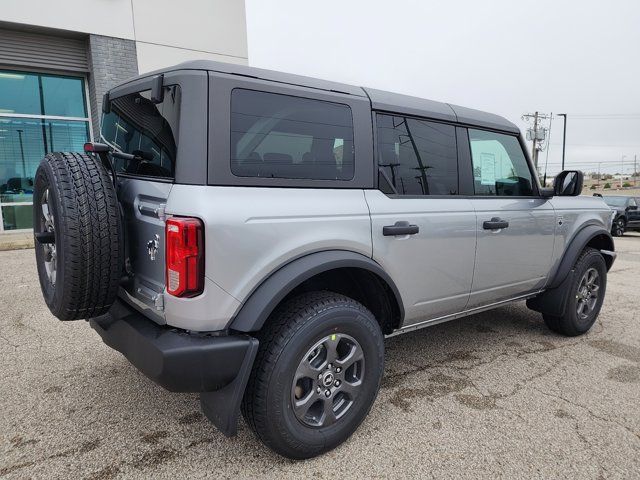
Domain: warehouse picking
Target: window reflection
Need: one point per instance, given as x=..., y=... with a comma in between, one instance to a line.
x=136, y=124
x=25, y=139
x=418, y=157
x=23, y=143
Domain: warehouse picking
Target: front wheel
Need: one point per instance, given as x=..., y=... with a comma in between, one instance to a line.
x=618, y=228
x=316, y=376
x=585, y=296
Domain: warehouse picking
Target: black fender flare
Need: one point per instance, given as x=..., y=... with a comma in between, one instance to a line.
x=264, y=299
x=575, y=248
x=553, y=300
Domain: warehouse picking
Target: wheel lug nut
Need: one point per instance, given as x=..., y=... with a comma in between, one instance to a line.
x=337, y=383
x=327, y=393
x=329, y=366
x=318, y=390
x=319, y=376
x=338, y=370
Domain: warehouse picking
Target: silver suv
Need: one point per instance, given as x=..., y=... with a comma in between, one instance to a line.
x=254, y=236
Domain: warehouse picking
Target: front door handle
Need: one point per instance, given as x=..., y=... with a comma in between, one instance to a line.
x=400, y=228
x=495, y=223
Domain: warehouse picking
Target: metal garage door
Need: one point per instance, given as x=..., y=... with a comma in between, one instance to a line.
x=35, y=50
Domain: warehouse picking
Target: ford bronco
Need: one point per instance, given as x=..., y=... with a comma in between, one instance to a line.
x=253, y=236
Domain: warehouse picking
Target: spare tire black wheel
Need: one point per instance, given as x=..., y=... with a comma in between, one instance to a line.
x=78, y=235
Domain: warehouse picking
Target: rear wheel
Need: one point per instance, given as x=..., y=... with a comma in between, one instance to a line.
x=78, y=235
x=316, y=375
x=585, y=297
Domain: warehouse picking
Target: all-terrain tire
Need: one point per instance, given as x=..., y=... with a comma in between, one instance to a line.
x=295, y=327
x=75, y=200
x=571, y=323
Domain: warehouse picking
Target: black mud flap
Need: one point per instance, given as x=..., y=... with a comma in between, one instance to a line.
x=222, y=406
x=553, y=301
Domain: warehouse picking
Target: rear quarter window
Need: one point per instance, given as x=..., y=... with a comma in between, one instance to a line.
x=136, y=125
x=282, y=136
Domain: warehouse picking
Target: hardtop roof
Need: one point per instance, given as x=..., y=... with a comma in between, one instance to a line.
x=380, y=99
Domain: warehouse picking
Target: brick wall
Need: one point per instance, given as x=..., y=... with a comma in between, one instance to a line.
x=111, y=60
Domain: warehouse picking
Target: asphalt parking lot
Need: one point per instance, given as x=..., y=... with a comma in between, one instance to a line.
x=492, y=395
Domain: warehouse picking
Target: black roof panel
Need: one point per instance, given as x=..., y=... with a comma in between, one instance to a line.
x=396, y=102
x=380, y=99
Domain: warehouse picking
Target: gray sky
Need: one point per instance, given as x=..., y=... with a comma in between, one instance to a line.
x=581, y=57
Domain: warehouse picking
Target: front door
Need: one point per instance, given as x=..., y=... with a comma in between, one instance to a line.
x=515, y=226
x=423, y=231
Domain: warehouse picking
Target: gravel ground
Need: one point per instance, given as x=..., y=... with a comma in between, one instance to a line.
x=492, y=395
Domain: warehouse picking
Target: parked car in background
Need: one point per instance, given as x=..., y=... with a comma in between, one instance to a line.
x=627, y=216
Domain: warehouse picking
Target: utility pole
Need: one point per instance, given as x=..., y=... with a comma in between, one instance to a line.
x=534, y=150
x=635, y=170
x=564, y=135
x=536, y=134
x=622, y=170
x=24, y=166
x=599, y=174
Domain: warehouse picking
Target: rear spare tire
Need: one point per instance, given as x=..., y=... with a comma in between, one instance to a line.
x=78, y=235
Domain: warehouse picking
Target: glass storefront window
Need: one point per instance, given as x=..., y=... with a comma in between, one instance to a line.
x=63, y=97
x=19, y=93
x=17, y=217
x=25, y=139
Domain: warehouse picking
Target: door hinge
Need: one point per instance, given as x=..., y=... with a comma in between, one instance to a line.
x=161, y=211
x=159, y=301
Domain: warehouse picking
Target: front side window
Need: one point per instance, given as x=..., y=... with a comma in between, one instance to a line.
x=149, y=130
x=280, y=136
x=499, y=165
x=417, y=157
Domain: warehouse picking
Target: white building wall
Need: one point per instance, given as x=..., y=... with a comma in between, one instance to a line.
x=166, y=32
x=111, y=18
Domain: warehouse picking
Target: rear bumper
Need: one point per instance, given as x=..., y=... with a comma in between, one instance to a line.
x=176, y=360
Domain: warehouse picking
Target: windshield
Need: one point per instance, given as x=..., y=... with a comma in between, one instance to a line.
x=615, y=201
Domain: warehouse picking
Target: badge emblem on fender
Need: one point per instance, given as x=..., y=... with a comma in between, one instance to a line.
x=152, y=247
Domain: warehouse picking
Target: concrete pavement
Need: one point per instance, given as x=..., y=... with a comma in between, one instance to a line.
x=495, y=395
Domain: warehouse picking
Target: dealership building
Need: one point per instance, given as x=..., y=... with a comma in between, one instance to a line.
x=58, y=58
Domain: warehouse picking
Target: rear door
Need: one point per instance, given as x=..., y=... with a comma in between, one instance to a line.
x=423, y=230
x=515, y=226
x=134, y=124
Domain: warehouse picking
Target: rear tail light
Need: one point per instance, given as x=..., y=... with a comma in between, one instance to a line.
x=185, y=256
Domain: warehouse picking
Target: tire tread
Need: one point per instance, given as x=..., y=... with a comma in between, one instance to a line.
x=92, y=236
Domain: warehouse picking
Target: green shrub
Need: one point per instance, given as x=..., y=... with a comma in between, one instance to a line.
x=626, y=184
x=593, y=187
x=607, y=185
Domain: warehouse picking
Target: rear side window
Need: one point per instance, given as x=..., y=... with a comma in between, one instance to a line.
x=138, y=126
x=280, y=136
x=499, y=165
x=417, y=157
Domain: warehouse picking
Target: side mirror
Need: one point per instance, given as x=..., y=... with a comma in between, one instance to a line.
x=568, y=183
x=157, y=89
x=106, y=103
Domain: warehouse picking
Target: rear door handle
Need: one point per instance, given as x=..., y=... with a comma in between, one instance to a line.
x=495, y=223
x=400, y=228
